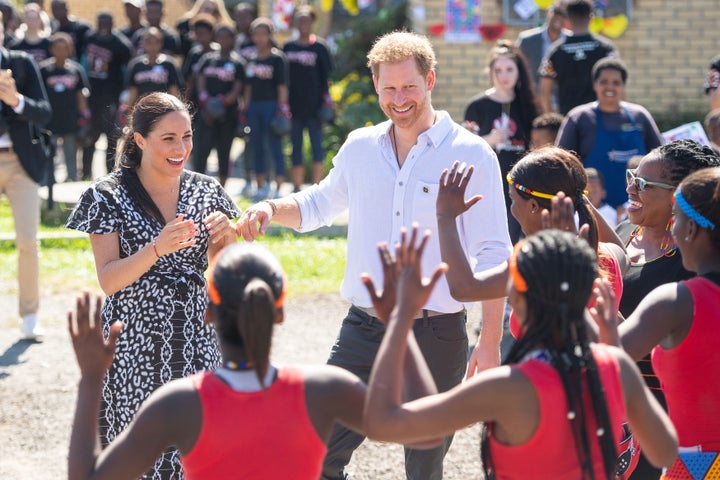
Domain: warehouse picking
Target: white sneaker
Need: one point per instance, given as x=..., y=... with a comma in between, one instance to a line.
x=29, y=327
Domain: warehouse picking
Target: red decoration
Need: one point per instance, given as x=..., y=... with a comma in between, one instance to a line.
x=437, y=29
x=492, y=31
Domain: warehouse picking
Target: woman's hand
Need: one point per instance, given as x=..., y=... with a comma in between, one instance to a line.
x=176, y=235
x=383, y=301
x=218, y=226
x=413, y=290
x=451, y=196
x=562, y=216
x=94, y=354
x=496, y=137
x=604, y=312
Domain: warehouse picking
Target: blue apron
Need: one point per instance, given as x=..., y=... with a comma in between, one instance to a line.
x=611, y=152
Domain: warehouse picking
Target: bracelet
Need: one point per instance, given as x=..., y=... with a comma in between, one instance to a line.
x=273, y=205
x=155, y=249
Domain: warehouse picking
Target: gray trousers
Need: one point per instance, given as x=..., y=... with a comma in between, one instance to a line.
x=444, y=343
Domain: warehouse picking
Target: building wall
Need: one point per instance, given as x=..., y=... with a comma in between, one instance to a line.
x=88, y=10
x=667, y=47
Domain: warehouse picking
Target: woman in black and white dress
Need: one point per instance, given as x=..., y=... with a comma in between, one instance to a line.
x=153, y=225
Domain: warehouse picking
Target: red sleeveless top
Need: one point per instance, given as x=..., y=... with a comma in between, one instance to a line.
x=550, y=452
x=255, y=435
x=688, y=372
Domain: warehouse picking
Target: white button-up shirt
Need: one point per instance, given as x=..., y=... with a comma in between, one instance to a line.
x=382, y=198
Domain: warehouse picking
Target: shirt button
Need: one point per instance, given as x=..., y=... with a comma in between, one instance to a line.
x=426, y=189
x=397, y=214
x=401, y=184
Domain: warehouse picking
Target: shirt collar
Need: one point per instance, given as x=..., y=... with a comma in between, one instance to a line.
x=434, y=135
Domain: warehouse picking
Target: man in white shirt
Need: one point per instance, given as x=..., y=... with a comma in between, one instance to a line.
x=387, y=175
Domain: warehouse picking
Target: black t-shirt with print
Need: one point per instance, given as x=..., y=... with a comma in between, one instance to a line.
x=156, y=77
x=309, y=68
x=106, y=57
x=221, y=72
x=265, y=74
x=570, y=63
x=62, y=85
x=78, y=31
x=39, y=50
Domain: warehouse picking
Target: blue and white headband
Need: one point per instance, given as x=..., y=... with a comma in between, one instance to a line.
x=692, y=214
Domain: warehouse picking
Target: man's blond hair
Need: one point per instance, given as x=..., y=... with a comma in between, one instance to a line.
x=399, y=46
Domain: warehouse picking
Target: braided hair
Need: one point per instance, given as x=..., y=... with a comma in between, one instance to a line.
x=551, y=170
x=246, y=289
x=682, y=157
x=559, y=270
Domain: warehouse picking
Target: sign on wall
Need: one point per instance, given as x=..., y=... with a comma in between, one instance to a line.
x=462, y=21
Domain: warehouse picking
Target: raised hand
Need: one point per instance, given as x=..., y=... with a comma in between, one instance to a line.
x=413, y=290
x=383, y=301
x=94, y=354
x=562, y=216
x=451, y=195
x=604, y=312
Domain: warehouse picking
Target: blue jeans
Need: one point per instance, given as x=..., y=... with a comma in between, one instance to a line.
x=296, y=137
x=259, y=116
x=444, y=343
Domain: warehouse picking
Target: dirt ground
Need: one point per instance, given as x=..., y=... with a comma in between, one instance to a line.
x=38, y=386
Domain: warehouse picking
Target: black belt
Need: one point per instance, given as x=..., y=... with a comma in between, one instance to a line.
x=6, y=149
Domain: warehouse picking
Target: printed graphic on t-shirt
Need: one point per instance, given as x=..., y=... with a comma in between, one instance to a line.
x=98, y=59
x=225, y=72
x=303, y=57
x=260, y=70
x=60, y=83
x=157, y=74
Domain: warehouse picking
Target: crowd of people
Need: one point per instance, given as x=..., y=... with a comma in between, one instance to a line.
x=567, y=204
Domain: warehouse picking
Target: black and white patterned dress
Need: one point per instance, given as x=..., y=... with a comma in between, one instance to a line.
x=164, y=336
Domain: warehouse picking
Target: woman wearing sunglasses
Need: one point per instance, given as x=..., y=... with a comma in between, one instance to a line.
x=678, y=323
x=653, y=253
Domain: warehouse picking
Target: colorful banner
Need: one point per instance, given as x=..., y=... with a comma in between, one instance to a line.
x=462, y=21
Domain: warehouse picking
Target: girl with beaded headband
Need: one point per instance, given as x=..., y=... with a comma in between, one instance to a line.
x=550, y=408
x=678, y=323
x=245, y=419
x=647, y=235
x=533, y=182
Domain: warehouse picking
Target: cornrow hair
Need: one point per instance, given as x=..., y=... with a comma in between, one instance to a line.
x=248, y=280
x=682, y=157
x=559, y=269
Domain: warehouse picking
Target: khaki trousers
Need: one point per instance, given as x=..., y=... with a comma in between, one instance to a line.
x=22, y=192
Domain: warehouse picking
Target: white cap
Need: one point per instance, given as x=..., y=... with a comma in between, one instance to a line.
x=135, y=3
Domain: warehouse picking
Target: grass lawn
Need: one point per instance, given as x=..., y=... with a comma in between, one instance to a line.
x=312, y=264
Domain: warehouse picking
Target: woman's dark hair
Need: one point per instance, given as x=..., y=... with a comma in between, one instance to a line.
x=682, y=157
x=146, y=113
x=551, y=170
x=701, y=190
x=559, y=270
x=524, y=88
x=249, y=281
x=609, y=63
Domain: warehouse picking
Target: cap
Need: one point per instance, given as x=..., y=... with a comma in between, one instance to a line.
x=135, y=3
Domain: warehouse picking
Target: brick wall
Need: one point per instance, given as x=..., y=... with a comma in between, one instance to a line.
x=88, y=10
x=667, y=47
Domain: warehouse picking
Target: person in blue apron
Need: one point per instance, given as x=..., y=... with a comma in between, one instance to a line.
x=608, y=132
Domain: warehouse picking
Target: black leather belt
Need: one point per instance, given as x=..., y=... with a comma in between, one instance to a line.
x=6, y=149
